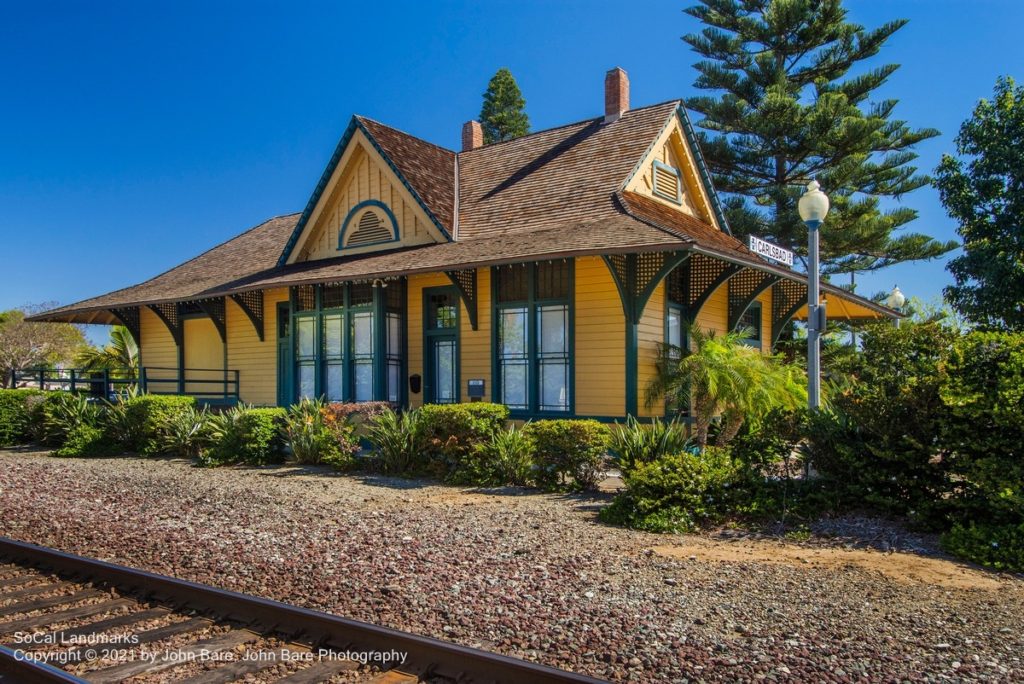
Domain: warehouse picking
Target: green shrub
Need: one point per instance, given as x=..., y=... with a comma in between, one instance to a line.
x=569, y=453
x=88, y=440
x=679, y=492
x=314, y=435
x=146, y=417
x=398, y=441
x=879, y=441
x=1000, y=547
x=187, y=433
x=506, y=459
x=635, y=442
x=244, y=434
x=982, y=435
x=452, y=432
x=62, y=413
x=15, y=416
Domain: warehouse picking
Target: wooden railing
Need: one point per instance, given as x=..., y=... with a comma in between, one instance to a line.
x=99, y=383
x=206, y=384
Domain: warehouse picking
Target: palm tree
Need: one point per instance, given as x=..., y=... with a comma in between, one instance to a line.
x=120, y=356
x=722, y=375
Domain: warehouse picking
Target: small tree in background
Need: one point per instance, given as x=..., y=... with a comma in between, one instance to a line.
x=984, y=193
x=786, y=109
x=24, y=344
x=503, y=114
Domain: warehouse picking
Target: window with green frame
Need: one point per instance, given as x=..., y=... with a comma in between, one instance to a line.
x=533, y=337
x=338, y=354
x=750, y=321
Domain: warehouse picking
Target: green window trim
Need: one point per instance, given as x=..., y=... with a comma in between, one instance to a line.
x=532, y=306
x=328, y=360
x=751, y=318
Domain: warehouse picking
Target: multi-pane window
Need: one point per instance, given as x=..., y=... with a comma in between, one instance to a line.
x=533, y=345
x=338, y=352
x=750, y=323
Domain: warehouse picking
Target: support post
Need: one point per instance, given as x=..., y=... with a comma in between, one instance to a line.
x=815, y=320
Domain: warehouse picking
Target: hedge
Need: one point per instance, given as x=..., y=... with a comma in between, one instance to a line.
x=16, y=416
x=569, y=453
x=452, y=433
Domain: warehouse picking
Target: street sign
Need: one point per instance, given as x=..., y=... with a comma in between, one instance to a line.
x=773, y=252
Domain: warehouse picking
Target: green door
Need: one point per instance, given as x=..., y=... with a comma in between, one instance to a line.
x=285, y=357
x=441, y=345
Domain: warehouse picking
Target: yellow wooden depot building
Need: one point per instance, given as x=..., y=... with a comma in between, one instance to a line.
x=541, y=273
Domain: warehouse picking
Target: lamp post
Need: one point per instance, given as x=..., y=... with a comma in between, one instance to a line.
x=896, y=300
x=813, y=207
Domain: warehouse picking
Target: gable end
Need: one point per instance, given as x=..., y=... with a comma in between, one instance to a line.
x=325, y=178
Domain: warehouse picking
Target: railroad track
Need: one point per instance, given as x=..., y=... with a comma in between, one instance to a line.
x=88, y=620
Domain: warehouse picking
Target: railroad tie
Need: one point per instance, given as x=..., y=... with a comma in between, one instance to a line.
x=36, y=621
x=320, y=671
x=42, y=604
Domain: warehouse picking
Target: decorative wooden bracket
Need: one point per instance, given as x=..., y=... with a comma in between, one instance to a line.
x=744, y=289
x=788, y=297
x=637, y=276
x=129, y=317
x=251, y=303
x=215, y=309
x=697, y=279
x=465, y=282
x=168, y=313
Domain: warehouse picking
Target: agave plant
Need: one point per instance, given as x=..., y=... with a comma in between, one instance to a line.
x=397, y=439
x=188, y=433
x=635, y=442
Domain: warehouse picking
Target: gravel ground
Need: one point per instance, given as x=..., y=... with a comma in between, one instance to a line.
x=535, y=575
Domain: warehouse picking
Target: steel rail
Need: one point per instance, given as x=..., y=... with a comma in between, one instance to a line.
x=461, y=663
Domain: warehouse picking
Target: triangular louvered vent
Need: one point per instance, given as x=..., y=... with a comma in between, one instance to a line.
x=369, y=230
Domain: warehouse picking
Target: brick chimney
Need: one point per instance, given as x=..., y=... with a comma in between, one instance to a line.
x=472, y=136
x=616, y=94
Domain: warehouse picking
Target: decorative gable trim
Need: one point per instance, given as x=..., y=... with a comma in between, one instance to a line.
x=361, y=209
x=325, y=179
x=702, y=168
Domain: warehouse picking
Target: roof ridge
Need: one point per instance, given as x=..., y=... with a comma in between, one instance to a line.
x=405, y=133
x=568, y=125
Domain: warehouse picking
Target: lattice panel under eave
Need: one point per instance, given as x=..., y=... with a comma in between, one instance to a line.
x=215, y=309
x=130, y=319
x=251, y=303
x=168, y=313
x=745, y=287
x=465, y=281
x=788, y=297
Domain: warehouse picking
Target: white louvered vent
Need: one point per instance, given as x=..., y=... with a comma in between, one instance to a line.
x=369, y=230
x=666, y=182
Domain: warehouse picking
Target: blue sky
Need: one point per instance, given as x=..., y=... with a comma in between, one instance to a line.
x=136, y=135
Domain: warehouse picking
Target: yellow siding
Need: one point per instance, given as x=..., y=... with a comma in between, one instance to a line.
x=600, y=341
x=417, y=283
x=476, y=344
x=204, y=356
x=361, y=175
x=714, y=315
x=255, y=361
x=158, y=347
x=651, y=333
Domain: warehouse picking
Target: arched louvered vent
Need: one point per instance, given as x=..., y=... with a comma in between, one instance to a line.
x=369, y=230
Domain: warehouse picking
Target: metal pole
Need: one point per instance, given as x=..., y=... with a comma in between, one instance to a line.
x=813, y=320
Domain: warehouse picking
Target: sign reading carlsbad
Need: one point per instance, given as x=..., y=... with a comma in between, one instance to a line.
x=773, y=252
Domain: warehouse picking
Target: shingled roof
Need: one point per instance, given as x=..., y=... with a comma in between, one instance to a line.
x=549, y=194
